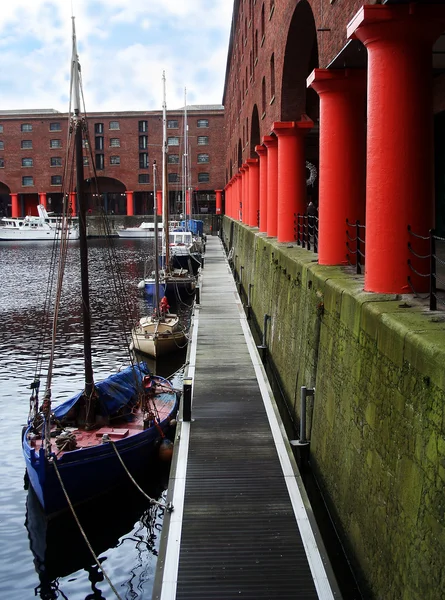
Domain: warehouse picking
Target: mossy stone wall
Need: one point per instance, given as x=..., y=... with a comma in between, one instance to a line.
x=377, y=426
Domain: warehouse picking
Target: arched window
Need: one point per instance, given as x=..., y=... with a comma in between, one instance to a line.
x=272, y=76
x=263, y=31
x=263, y=97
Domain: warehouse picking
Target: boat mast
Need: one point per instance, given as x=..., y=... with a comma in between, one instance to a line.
x=155, y=223
x=81, y=199
x=185, y=165
x=165, y=179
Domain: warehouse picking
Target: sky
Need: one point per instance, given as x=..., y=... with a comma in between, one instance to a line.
x=123, y=47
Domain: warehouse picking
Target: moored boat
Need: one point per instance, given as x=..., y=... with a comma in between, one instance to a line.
x=43, y=227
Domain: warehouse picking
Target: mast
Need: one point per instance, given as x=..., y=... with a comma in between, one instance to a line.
x=155, y=223
x=81, y=199
x=185, y=166
x=165, y=179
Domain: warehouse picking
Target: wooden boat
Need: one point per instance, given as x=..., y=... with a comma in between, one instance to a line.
x=91, y=442
x=36, y=228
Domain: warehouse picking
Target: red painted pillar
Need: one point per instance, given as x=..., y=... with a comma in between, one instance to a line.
x=73, y=204
x=342, y=189
x=14, y=205
x=262, y=153
x=271, y=144
x=291, y=195
x=229, y=191
x=42, y=199
x=130, y=204
x=218, y=201
x=254, y=185
x=243, y=216
x=399, y=182
x=159, y=202
x=239, y=197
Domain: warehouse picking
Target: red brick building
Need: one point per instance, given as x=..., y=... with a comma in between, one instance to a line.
x=341, y=102
x=122, y=147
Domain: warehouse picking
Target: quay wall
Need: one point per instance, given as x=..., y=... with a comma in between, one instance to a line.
x=377, y=422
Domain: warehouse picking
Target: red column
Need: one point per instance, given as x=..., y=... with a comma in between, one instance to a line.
x=238, y=198
x=218, y=201
x=271, y=144
x=159, y=202
x=14, y=205
x=291, y=196
x=73, y=204
x=342, y=189
x=130, y=204
x=262, y=153
x=243, y=200
x=399, y=182
x=42, y=199
x=254, y=191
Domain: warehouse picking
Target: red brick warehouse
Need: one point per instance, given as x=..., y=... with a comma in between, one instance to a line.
x=352, y=94
x=122, y=147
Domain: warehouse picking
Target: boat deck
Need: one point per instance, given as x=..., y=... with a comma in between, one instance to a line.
x=242, y=526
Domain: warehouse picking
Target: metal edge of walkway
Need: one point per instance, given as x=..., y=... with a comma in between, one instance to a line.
x=164, y=587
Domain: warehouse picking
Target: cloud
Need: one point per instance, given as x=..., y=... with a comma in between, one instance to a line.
x=123, y=49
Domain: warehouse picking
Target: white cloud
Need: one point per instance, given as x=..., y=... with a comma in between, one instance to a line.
x=123, y=48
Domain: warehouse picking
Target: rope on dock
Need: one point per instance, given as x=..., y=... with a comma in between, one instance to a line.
x=168, y=506
x=83, y=532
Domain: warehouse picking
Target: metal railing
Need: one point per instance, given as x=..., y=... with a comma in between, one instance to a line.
x=431, y=261
x=355, y=245
x=306, y=231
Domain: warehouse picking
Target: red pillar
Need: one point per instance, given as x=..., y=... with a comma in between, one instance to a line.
x=399, y=182
x=254, y=191
x=130, y=204
x=262, y=153
x=342, y=189
x=218, y=201
x=239, y=199
x=42, y=199
x=291, y=195
x=159, y=202
x=271, y=144
x=73, y=204
x=243, y=216
x=14, y=205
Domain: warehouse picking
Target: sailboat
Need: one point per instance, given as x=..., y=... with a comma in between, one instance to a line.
x=93, y=441
x=179, y=283
x=161, y=332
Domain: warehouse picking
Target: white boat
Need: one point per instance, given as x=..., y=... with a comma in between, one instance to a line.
x=35, y=228
x=144, y=230
x=159, y=335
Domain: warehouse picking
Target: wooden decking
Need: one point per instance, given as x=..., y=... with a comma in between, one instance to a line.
x=242, y=526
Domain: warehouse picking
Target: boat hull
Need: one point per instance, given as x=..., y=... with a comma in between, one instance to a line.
x=159, y=345
x=28, y=235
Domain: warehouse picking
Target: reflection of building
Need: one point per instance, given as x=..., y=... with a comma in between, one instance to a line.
x=122, y=146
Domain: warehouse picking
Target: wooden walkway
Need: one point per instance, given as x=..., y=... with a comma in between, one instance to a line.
x=242, y=526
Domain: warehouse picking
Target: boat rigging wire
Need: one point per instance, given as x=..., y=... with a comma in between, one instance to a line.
x=83, y=532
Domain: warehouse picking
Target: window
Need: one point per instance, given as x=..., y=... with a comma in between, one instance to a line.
x=144, y=178
x=143, y=142
x=26, y=144
x=26, y=162
x=173, y=178
x=173, y=159
x=143, y=126
x=173, y=141
x=272, y=76
x=2, y=145
x=203, y=177
x=114, y=124
x=55, y=143
x=263, y=97
x=262, y=24
x=26, y=127
x=55, y=127
x=99, y=128
x=2, y=163
x=115, y=142
x=203, y=140
x=172, y=124
x=85, y=161
x=27, y=181
x=85, y=144
x=203, y=158
x=115, y=160
x=99, y=162
x=99, y=142
x=1, y=128
x=203, y=123
x=56, y=179
x=143, y=160
x=56, y=161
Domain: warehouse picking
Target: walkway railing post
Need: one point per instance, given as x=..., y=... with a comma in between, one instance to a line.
x=187, y=399
x=433, y=282
x=263, y=346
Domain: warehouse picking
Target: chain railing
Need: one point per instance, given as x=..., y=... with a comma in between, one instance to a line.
x=429, y=263
x=355, y=245
x=306, y=231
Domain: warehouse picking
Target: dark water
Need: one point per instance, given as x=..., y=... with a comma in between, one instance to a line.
x=37, y=560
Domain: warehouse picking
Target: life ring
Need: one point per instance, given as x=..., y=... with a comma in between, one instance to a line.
x=312, y=173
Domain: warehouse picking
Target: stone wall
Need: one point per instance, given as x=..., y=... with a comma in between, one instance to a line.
x=377, y=424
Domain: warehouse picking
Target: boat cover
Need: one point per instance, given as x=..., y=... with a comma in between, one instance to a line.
x=114, y=392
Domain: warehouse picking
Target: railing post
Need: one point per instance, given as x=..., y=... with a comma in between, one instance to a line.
x=263, y=346
x=433, y=267
x=187, y=399
x=358, y=249
x=298, y=230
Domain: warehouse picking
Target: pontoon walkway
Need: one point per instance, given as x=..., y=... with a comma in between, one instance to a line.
x=242, y=526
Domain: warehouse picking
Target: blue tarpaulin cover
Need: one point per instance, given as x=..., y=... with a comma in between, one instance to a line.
x=114, y=392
